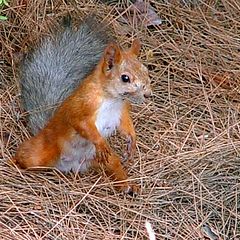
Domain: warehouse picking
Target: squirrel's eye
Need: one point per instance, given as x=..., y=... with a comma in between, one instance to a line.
x=125, y=78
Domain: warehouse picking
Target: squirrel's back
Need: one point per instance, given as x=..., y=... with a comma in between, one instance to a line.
x=56, y=67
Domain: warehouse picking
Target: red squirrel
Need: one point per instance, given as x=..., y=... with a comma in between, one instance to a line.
x=74, y=138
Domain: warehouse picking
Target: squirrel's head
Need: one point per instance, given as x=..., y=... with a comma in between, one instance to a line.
x=127, y=78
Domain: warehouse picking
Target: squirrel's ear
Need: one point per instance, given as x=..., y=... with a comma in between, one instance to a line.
x=112, y=55
x=136, y=47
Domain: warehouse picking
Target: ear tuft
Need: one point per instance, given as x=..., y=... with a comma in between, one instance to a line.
x=112, y=55
x=136, y=47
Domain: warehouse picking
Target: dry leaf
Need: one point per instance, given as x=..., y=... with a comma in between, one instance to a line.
x=141, y=13
x=225, y=80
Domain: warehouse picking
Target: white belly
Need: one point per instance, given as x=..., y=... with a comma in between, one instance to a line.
x=79, y=152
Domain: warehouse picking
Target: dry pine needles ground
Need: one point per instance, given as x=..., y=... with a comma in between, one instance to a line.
x=187, y=159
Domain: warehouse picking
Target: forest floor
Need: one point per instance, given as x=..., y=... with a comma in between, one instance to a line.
x=188, y=134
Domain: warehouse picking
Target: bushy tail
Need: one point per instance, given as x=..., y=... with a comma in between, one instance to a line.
x=58, y=65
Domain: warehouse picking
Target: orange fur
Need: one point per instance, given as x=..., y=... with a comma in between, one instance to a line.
x=126, y=128
x=115, y=170
x=78, y=113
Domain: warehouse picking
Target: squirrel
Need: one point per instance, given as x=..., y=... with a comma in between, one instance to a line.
x=77, y=87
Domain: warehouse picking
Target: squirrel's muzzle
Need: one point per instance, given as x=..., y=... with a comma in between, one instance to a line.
x=147, y=94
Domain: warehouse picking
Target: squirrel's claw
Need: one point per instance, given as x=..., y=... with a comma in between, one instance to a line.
x=131, y=148
x=130, y=189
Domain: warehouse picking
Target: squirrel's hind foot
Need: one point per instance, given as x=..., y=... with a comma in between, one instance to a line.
x=129, y=189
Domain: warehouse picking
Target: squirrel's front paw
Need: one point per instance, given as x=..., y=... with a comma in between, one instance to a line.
x=102, y=151
x=131, y=148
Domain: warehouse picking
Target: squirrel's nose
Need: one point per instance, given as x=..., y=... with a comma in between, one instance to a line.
x=147, y=94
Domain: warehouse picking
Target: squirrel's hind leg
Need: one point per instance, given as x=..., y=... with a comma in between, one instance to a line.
x=33, y=154
x=115, y=171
